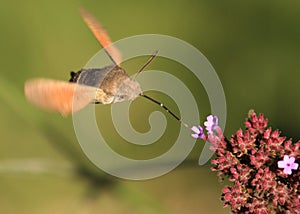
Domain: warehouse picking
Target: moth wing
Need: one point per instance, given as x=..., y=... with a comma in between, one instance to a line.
x=101, y=35
x=54, y=95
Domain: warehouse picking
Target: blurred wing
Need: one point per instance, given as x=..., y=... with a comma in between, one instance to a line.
x=58, y=96
x=102, y=37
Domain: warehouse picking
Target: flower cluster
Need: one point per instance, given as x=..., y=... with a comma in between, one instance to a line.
x=261, y=164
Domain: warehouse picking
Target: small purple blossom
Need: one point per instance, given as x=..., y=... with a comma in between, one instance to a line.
x=288, y=164
x=198, y=132
x=211, y=124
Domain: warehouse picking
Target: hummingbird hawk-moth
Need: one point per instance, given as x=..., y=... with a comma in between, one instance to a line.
x=107, y=85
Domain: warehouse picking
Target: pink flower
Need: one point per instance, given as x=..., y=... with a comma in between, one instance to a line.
x=211, y=124
x=249, y=159
x=198, y=132
x=288, y=164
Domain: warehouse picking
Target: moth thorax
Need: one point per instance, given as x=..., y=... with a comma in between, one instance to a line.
x=128, y=90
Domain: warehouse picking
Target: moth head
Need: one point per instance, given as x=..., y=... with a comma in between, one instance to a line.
x=128, y=90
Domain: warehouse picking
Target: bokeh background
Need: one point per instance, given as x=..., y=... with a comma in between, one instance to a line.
x=253, y=45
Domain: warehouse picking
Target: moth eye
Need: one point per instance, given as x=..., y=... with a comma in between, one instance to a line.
x=121, y=96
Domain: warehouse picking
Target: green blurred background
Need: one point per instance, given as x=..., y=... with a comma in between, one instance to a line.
x=253, y=45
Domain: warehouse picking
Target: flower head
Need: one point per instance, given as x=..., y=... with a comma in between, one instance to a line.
x=198, y=132
x=249, y=159
x=288, y=164
x=211, y=124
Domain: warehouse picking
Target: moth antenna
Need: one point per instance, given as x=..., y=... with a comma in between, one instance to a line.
x=147, y=63
x=166, y=108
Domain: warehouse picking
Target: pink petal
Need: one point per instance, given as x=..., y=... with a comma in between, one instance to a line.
x=210, y=117
x=291, y=160
x=281, y=164
x=286, y=158
x=195, y=135
x=294, y=166
x=208, y=120
x=287, y=170
x=195, y=129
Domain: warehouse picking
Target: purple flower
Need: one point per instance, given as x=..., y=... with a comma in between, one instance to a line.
x=198, y=132
x=211, y=124
x=288, y=164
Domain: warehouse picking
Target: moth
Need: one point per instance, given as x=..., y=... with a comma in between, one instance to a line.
x=107, y=85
